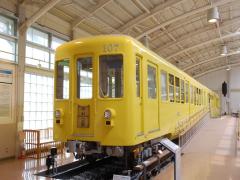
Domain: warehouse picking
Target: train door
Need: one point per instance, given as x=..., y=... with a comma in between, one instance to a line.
x=84, y=105
x=152, y=105
x=139, y=104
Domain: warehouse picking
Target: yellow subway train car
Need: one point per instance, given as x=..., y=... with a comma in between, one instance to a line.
x=115, y=96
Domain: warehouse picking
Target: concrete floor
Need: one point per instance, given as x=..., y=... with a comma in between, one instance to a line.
x=211, y=154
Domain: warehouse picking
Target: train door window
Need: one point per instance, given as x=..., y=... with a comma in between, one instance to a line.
x=62, y=79
x=111, y=76
x=152, y=87
x=187, y=89
x=138, y=76
x=171, y=88
x=164, y=92
x=84, y=77
x=177, y=83
x=182, y=91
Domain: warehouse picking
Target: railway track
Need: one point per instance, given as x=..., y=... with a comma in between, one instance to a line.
x=105, y=168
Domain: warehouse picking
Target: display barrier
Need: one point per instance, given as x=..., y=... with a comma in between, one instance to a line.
x=37, y=143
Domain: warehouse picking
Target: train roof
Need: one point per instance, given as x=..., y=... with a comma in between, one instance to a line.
x=124, y=38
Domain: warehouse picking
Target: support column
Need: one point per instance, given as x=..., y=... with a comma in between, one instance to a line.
x=21, y=53
x=228, y=92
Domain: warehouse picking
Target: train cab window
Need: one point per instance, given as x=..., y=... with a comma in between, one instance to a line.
x=164, y=92
x=177, y=82
x=138, y=76
x=84, y=77
x=152, y=86
x=62, y=79
x=182, y=91
x=187, y=89
x=111, y=76
x=171, y=88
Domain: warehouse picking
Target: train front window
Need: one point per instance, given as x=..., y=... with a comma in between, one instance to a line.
x=84, y=78
x=62, y=80
x=111, y=76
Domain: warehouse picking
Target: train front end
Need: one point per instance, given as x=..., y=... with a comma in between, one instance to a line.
x=93, y=95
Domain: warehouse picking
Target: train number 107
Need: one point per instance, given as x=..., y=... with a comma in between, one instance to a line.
x=108, y=48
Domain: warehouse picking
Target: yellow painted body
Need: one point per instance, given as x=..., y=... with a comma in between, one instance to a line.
x=136, y=119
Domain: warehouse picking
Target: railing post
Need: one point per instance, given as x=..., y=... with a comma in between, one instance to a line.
x=38, y=145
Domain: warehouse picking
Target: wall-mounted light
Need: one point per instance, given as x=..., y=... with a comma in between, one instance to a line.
x=224, y=50
x=213, y=15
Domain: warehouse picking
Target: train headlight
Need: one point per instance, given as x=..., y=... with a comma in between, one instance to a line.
x=59, y=116
x=107, y=114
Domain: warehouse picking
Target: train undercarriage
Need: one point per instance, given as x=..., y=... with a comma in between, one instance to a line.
x=141, y=162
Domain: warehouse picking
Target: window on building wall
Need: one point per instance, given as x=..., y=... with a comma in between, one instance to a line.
x=164, y=92
x=177, y=84
x=6, y=26
x=56, y=42
x=40, y=49
x=7, y=40
x=37, y=36
x=37, y=57
x=171, y=87
x=38, y=101
x=182, y=91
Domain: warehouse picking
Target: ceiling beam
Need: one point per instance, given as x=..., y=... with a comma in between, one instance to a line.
x=161, y=7
x=183, y=16
x=196, y=32
x=216, y=69
x=88, y=13
x=43, y=10
x=203, y=43
x=209, y=60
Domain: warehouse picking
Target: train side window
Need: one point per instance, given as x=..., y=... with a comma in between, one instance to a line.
x=191, y=94
x=164, y=92
x=138, y=76
x=111, y=76
x=195, y=95
x=84, y=77
x=62, y=79
x=187, y=89
x=171, y=88
x=177, y=84
x=182, y=91
x=152, y=86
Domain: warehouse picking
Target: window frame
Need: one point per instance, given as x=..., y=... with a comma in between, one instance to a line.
x=172, y=86
x=167, y=87
x=154, y=66
x=55, y=81
x=138, y=88
x=93, y=71
x=177, y=100
x=98, y=77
